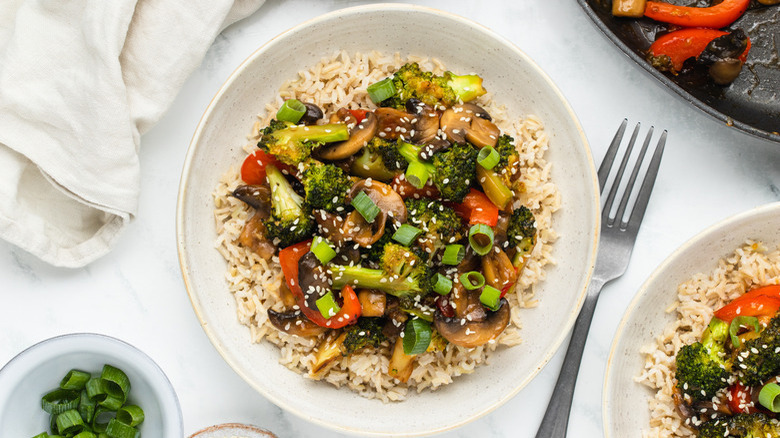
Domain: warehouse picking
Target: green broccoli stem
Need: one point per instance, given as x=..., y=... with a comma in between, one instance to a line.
x=285, y=202
x=466, y=87
x=329, y=133
x=358, y=276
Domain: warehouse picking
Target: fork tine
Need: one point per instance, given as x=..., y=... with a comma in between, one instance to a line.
x=609, y=157
x=638, y=213
x=605, y=214
x=631, y=180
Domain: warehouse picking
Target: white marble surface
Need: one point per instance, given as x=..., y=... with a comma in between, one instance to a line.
x=709, y=172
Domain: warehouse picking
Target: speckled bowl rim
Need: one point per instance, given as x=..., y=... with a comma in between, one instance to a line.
x=566, y=325
x=633, y=307
x=243, y=427
x=151, y=367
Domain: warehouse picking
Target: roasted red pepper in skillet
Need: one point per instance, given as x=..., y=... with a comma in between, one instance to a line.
x=764, y=301
x=716, y=17
x=686, y=43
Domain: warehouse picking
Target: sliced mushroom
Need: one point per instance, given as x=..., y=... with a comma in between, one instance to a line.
x=294, y=323
x=312, y=114
x=390, y=204
x=466, y=304
x=394, y=123
x=359, y=135
x=470, y=333
x=313, y=279
x=395, y=318
x=498, y=269
x=467, y=122
x=433, y=146
x=256, y=196
x=330, y=226
x=253, y=237
x=425, y=126
x=327, y=352
x=724, y=71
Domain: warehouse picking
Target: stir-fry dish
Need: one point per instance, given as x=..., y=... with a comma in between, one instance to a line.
x=726, y=381
x=698, y=36
x=384, y=230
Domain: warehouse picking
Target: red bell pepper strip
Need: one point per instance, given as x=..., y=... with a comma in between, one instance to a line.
x=687, y=43
x=358, y=114
x=404, y=188
x=764, y=301
x=716, y=17
x=477, y=208
x=350, y=309
x=253, y=168
x=740, y=399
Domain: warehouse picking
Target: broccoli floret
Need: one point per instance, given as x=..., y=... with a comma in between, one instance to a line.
x=508, y=157
x=401, y=274
x=440, y=224
x=755, y=368
x=755, y=425
x=456, y=170
x=703, y=368
x=366, y=333
x=446, y=90
x=379, y=159
x=373, y=254
x=293, y=144
x=521, y=232
x=325, y=185
x=290, y=221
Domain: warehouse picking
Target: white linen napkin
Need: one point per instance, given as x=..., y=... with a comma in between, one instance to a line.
x=80, y=81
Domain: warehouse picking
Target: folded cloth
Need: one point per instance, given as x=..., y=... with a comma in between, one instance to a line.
x=80, y=81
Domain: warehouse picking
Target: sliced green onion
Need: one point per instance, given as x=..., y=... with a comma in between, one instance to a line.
x=117, y=429
x=291, y=111
x=453, y=254
x=740, y=321
x=96, y=389
x=417, y=174
x=101, y=419
x=481, y=238
x=382, y=90
x=117, y=382
x=472, y=280
x=112, y=402
x=85, y=434
x=490, y=297
x=42, y=435
x=328, y=305
x=365, y=206
x=86, y=407
x=488, y=157
x=75, y=379
x=131, y=415
x=321, y=248
x=417, y=336
x=60, y=400
x=442, y=285
x=69, y=423
x=406, y=234
x=769, y=397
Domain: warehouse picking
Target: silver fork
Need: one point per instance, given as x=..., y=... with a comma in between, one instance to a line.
x=617, y=241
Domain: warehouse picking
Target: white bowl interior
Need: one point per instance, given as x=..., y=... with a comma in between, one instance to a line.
x=463, y=47
x=39, y=369
x=625, y=401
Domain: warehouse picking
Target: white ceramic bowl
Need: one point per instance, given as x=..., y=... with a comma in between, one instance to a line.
x=462, y=46
x=39, y=369
x=625, y=401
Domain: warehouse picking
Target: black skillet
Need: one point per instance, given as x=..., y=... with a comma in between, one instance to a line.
x=751, y=103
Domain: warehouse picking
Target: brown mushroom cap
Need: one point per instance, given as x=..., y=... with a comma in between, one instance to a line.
x=256, y=196
x=359, y=135
x=473, y=333
x=425, y=125
x=294, y=323
x=394, y=123
x=469, y=122
x=724, y=71
x=390, y=205
x=498, y=269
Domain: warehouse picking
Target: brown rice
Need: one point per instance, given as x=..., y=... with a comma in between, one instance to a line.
x=340, y=81
x=750, y=266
